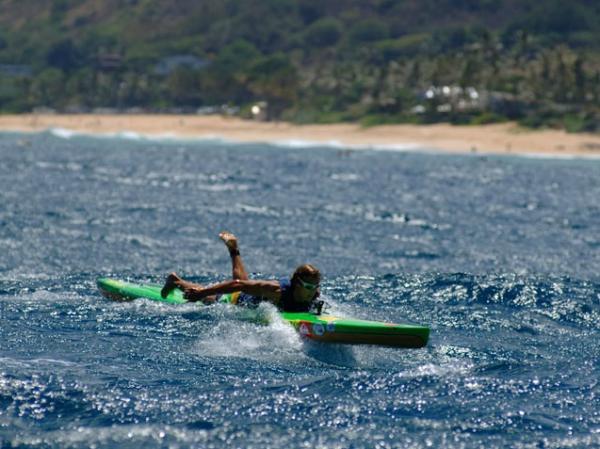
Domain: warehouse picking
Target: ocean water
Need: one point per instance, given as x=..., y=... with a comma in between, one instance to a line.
x=499, y=255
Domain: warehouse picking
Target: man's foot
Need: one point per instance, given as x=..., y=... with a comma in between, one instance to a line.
x=171, y=283
x=230, y=241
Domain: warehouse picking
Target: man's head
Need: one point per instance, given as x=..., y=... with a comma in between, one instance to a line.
x=305, y=283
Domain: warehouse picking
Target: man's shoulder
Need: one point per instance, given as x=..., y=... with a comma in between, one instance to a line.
x=285, y=282
x=263, y=287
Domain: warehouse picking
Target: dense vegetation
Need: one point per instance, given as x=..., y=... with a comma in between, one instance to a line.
x=466, y=61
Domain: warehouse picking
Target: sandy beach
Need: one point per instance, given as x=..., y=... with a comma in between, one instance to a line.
x=506, y=138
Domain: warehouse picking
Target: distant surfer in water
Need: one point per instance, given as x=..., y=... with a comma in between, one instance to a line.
x=290, y=295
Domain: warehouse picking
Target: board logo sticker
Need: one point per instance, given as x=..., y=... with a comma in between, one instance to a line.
x=331, y=327
x=318, y=329
x=304, y=329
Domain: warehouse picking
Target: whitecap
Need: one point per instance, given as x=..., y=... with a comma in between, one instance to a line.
x=63, y=133
x=238, y=333
x=216, y=139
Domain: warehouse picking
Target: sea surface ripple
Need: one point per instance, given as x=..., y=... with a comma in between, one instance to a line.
x=499, y=255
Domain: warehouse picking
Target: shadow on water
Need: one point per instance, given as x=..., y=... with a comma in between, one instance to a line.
x=334, y=355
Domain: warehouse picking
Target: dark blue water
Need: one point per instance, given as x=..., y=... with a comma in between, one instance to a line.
x=499, y=255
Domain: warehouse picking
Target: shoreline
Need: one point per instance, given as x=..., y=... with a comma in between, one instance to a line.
x=505, y=138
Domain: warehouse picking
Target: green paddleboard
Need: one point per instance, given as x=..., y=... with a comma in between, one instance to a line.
x=323, y=328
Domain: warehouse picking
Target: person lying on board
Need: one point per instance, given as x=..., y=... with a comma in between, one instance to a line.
x=297, y=294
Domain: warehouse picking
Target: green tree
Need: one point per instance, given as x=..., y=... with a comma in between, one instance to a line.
x=405, y=47
x=557, y=16
x=64, y=55
x=236, y=57
x=107, y=89
x=11, y=90
x=470, y=73
x=183, y=87
x=323, y=33
x=369, y=30
x=226, y=79
x=47, y=88
x=275, y=80
x=80, y=87
x=562, y=80
x=580, y=79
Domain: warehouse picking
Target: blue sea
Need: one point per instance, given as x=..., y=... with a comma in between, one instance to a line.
x=499, y=255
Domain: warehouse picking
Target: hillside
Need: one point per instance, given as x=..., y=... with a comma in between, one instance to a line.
x=464, y=61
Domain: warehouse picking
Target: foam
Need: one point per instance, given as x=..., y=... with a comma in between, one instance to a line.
x=64, y=133
x=237, y=333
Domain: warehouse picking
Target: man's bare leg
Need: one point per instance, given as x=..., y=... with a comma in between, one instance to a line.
x=237, y=266
x=173, y=281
